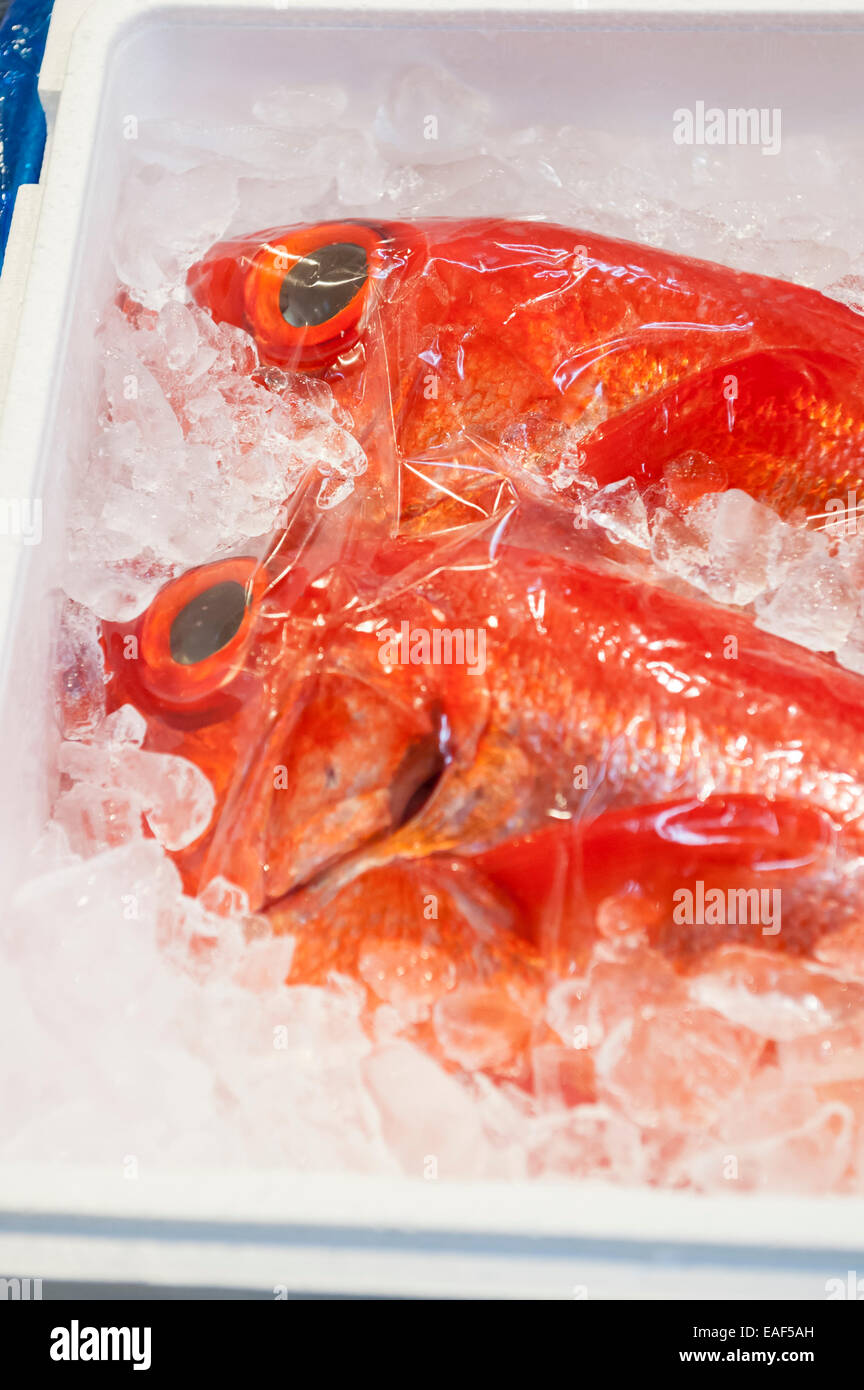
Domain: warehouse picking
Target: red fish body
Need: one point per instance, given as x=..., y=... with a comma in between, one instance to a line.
x=460, y=820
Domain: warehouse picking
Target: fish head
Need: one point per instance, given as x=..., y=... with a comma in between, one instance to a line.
x=317, y=743
x=328, y=300
x=306, y=294
x=444, y=330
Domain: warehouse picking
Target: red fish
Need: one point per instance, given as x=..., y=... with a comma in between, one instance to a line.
x=327, y=732
x=453, y=817
x=528, y=341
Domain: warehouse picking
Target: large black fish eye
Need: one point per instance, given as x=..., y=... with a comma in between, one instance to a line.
x=322, y=283
x=207, y=622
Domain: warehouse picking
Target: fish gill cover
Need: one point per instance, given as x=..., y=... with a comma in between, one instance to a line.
x=459, y=663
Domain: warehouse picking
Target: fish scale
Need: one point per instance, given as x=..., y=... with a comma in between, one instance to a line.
x=568, y=694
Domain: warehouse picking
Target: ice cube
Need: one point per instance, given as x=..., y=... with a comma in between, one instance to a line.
x=91, y=929
x=95, y=819
x=798, y=545
x=728, y=545
x=815, y=607
x=125, y=725
x=677, y=547
x=842, y=951
x=265, y=964
x=428, y=1118
x=410, y=976
x=430, y=115
x=620, y=510
x=850, y=652
x=679, y=1068
x=80, y=665
x=626, y=917
x=178, y=796
x=745, y=537
x=178, y=329
x=155, y=240
x=567, y=1012
x=691, y=477
x=361, y=170
x=589, y=1141
x=479, y=1026
x=114, y=593
x=626, y=983
x=223, y=898
x=563, y=1076
x=296, y=107
x=662, y=1061
x=202, y=943
x=772, y=995
x=849, y=289
x=387, y=1025
x=175, y=795
x=823, y=1058
x=778, y=1138
x=333, y=491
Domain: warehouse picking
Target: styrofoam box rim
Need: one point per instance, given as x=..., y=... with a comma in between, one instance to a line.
x=337, y=1232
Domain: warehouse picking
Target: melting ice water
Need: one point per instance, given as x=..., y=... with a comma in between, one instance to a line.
x=159, y=1026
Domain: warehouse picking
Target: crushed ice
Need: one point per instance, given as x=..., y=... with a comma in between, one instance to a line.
x=194, y=456
x=799, y=584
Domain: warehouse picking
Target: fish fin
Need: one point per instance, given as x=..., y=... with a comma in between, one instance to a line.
x=740, y=422
x=560, y=874
x=671, y=836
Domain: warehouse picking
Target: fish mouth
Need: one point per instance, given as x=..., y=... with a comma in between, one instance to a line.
x=419, y=775
x=403, y=801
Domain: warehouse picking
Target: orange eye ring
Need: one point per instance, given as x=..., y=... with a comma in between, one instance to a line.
x=310, y=343
x=194, y=636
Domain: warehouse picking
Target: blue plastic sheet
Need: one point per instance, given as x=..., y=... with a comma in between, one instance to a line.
x=22, y=121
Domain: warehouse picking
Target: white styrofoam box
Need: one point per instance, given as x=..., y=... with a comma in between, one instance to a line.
x=615, y=66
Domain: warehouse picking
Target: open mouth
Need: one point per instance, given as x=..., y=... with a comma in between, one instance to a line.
x=416, y=779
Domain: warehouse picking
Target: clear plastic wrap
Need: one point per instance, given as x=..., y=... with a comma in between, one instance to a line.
x=502, y=724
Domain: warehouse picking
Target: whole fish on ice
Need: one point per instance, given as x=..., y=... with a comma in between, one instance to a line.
x=616, y=738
